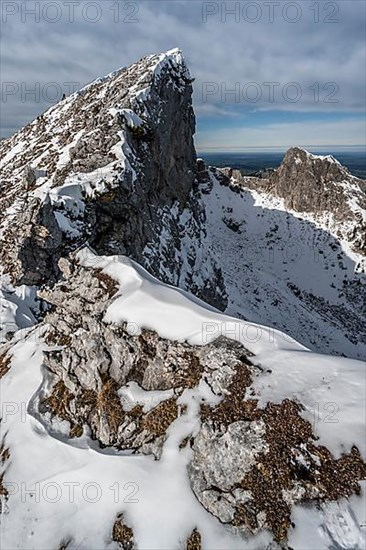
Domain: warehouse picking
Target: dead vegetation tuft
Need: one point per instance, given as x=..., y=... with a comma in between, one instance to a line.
x=3, y=490
x=56, y=338
x=58, y=402
x=4, y=457
x=190, y=375
x=5, y=362
x=159, y=419
x=194, y=540
x=108, y=404
x=106, y=282
x=4, y=452
x=233, y=407
x=123, y=534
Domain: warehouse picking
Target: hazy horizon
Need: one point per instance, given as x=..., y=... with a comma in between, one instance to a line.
x=266, y=74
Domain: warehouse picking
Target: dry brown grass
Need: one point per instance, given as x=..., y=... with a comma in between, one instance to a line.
x=4, y=457
x=159, y=419
x=322, y=477
x=123, y=534
x=58, y=339
x=3, y=490
x=290, y=441
x=194, y=541
x=109, y=404
x=190, y=376
x=106, y=282
x=5, y=362
x=233, y=407
x=4, y=452
x=58, y=402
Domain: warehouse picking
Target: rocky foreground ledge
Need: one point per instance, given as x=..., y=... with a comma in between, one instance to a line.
x=111, y=382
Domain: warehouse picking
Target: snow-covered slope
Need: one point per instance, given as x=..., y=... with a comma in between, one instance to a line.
x=114, y=166
x=129, y=404
x=295, y=271
x=64, y=489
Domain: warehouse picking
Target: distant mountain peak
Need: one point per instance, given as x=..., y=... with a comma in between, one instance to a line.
x=318, y=163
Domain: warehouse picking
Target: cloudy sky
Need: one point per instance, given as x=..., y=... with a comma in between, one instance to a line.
x=268, y=73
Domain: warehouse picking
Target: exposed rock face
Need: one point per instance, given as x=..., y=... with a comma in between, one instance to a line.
x=114, y=166
x=161, y=141
x=150, y=101
x=251, y=465
x=318, y=185
x=96, y=360
x=107, y=159
x=311, y=174
x=33, y=244
x=322, y=184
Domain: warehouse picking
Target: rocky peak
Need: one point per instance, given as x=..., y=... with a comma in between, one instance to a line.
x=317, y=185
x=107, y=157
x=313, y=183
x=94, y=127
x=322, y=169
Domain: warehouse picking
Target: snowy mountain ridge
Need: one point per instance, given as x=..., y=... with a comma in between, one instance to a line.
x=230, y=430
x=115, y=148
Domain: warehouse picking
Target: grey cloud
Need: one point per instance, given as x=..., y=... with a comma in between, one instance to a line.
x=224, y=53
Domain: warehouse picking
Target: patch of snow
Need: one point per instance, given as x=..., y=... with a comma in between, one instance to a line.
x=133, y=394
x=17, y=149
x=132, y=119
x=329, y=158
x=64, y=158
x=17, y=307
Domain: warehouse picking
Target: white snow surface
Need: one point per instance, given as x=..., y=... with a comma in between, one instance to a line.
x=17, y=307
x=329, y=158
x=74, y=484
x=267, y=254
x=132, y=119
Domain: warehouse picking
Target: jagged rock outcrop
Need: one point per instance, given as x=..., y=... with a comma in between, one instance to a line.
x=319, y=185
x=33, y=244
x=107, y=159
x=308, y=183
x=89, y=361
x=249, y=465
